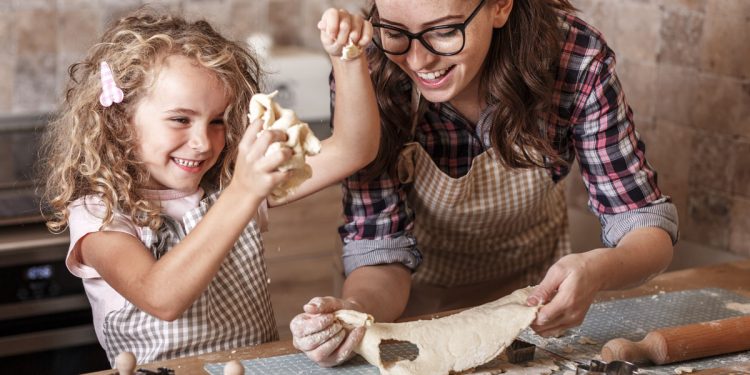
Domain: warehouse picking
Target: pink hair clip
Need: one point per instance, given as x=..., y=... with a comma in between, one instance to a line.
x=110, y=92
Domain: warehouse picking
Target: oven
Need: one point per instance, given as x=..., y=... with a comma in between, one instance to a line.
x=45, y=318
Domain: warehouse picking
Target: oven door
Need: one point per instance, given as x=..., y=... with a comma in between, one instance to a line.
x=45, y=317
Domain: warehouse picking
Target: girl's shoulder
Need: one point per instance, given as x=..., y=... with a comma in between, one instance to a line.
x=91, y=204
x=91, y=210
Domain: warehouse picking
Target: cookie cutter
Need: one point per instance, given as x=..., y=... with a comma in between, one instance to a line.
x=520, y=351
x=596, y=367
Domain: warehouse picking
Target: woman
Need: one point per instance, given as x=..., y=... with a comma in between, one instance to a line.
x=484, y=106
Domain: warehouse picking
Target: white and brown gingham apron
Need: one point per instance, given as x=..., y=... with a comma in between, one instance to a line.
x=234, y=310
x=482, y=235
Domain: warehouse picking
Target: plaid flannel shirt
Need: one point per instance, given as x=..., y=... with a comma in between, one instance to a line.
x=592, y=121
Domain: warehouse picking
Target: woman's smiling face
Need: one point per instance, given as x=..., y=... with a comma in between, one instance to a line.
x=444, y=78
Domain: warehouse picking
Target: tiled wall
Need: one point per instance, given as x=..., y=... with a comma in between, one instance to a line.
x=685, y=66
x=39, y=39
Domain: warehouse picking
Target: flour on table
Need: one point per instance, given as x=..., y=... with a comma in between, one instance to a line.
x=683, y=370
x=584, y=340
x=741, y=307
x=539, y=367
x=455, y=343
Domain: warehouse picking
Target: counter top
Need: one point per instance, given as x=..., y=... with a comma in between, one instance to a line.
x=734, y=276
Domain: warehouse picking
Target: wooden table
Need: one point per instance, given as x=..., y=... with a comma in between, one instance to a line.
x=734, y=276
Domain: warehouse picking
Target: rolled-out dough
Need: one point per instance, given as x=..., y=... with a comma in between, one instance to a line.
x=300, y=139
x=453, y=343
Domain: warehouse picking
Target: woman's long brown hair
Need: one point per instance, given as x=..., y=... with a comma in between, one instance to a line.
x=518, y=74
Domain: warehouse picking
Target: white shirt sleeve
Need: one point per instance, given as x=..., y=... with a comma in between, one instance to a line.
x=86, y=216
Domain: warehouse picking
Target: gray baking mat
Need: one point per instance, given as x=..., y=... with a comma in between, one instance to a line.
x=629, y=318
x=300, y=364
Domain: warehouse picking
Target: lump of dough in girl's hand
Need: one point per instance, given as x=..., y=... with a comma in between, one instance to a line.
x=451, y=344
x=300, y=139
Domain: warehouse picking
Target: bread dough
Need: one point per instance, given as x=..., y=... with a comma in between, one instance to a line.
x=454, y=343
x=300, y=139
x=350, y=51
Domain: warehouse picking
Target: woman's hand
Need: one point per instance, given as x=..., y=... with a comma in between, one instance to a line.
x=320, y=336
x=338, y=27
x=256, y=172
x=568, y=289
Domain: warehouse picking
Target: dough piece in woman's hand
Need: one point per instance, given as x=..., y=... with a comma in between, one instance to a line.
x=454, y=343
x=350, y=51
x=300, y=139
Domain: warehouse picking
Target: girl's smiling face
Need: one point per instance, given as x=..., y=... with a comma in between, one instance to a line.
x=445, y=78
x=179, y=124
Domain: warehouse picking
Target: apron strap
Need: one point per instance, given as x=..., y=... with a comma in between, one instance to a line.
x=416, y=110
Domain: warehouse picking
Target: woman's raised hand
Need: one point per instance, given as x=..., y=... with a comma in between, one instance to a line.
x=338, y=27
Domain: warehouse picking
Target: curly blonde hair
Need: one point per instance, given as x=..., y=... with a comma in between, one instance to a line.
x=91, y=149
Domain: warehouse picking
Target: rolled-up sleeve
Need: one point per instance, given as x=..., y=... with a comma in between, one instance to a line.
x=661, y=214
x=400, y=249
x=378, y=223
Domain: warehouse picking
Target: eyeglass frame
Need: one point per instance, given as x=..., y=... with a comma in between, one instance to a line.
x=418, y=36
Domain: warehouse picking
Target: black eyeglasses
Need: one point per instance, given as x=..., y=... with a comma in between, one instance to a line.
x=443, y=40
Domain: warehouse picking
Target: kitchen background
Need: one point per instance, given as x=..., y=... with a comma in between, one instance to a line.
x=684, y=64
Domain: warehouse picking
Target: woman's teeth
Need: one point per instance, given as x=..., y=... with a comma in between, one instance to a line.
x=187, y=163
x=432, y=75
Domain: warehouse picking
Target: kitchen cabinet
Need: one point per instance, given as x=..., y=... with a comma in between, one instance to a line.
x=302, y=245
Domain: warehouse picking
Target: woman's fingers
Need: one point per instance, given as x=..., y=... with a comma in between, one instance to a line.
x=308, y=324
x=346, y=349
x=366, y=34
x=329, y=24
x=316, y=340
x=355, y=33
x=344, y=28
x=322, y=305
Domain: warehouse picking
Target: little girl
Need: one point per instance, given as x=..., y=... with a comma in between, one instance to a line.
x=163, y=189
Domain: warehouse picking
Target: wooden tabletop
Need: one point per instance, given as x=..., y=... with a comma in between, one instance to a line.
x=734, y=276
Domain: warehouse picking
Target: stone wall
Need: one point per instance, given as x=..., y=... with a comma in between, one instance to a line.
x=685, y=67
x=39, y=39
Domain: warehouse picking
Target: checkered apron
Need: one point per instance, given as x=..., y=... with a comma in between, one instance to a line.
x=481, y=235
x=234, y=310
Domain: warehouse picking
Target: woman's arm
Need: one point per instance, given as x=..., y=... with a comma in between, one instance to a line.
x=381, y=291
x=356, y=131
x=571, y=284
x=639, y=224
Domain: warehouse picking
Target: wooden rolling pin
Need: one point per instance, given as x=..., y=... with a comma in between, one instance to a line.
x=673, y=344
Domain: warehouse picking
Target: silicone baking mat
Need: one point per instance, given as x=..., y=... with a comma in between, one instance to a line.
x=629, y=318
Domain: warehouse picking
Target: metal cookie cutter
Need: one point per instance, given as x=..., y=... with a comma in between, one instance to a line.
x=606, y=368
x=519, y=351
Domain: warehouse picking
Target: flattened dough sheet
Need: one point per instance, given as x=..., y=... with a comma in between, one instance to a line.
x=453, y=343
